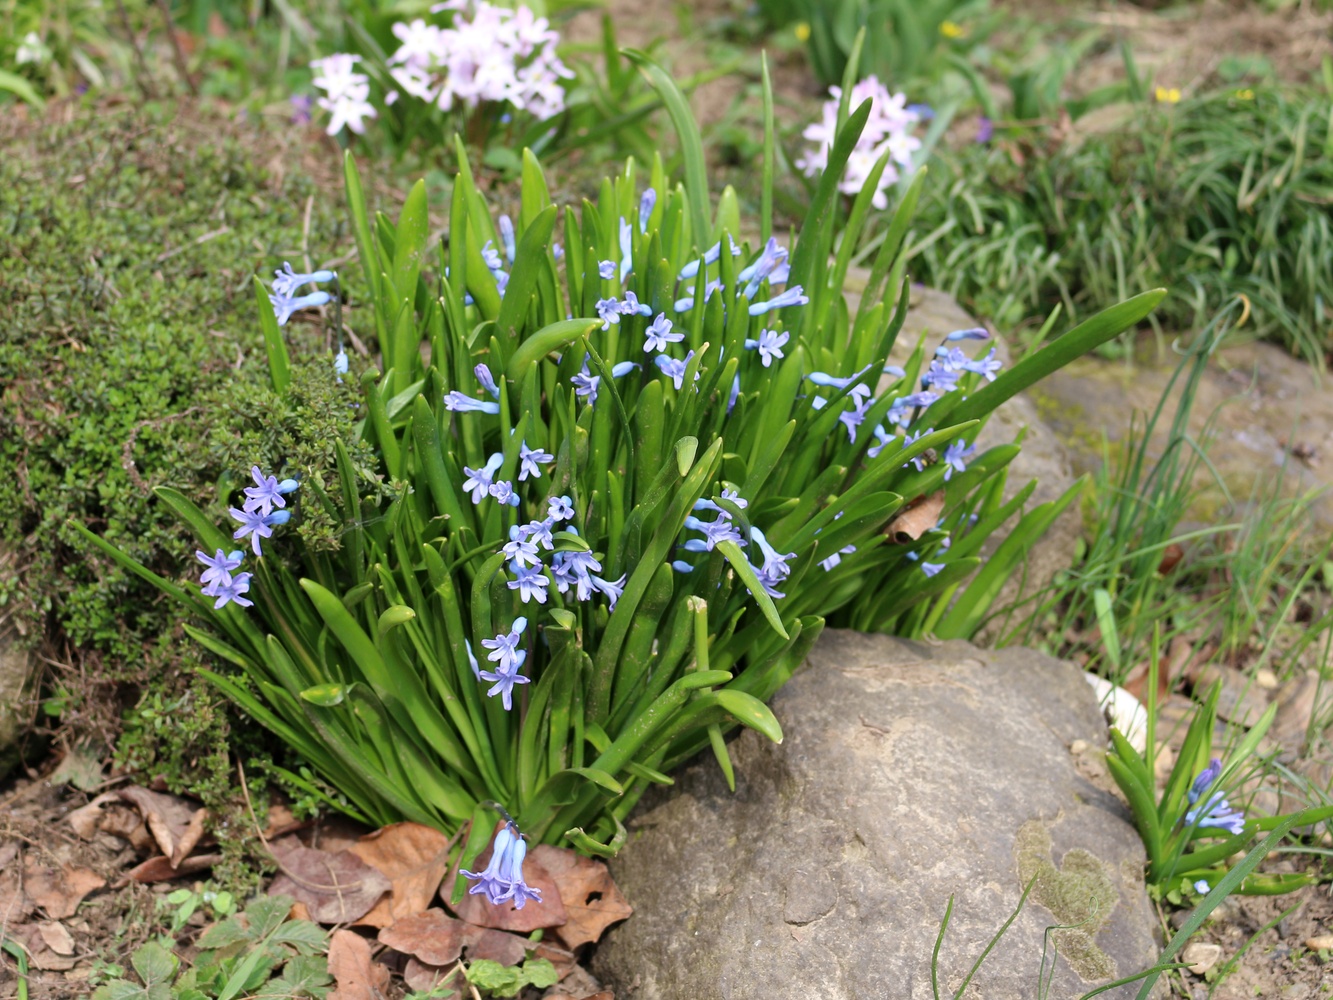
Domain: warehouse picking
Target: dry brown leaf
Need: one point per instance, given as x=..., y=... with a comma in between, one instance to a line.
x=15, y=905
x=85, y=819
x=414, y=858
x=1296, y=705
x=174, y=822
x=122, y=820
x=437, y=939
x=922, y=514
x=592, y=901
x=507, y=949
x=424, y=977
x=57, y=938
x=358, y=977
x=41, y=956
x=281, y=821
x=59, y=891
x=335, y=833
x=434, y=937
x=1240, y=700
x=1178, y=656
x=337, y=888
x=158, y=868
x=1171, y=556
x=550, y=912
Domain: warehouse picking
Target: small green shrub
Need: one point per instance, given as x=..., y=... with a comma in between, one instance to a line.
x=259, y=953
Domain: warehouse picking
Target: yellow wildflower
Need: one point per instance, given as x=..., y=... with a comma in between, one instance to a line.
x=950, y=29
x=802, y=31
x=1168, y=95
x=1244, y=94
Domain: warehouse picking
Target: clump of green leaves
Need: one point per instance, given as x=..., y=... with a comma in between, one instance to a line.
x=1187, y=855
x=510, y=980
x=259, y=953
x=906, y=41
x=101, y=273
x=362, y=659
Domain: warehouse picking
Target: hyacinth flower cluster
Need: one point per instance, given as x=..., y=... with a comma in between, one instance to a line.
x=344, y=92
x=1213, y=811
x=484, y=55
x=501, y=881
x=622, y=477
x=888, y=136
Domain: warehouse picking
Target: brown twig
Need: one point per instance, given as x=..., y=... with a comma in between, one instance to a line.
x=177, y=53
x=144, y=79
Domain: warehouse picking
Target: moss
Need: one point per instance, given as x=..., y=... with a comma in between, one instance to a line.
x=127, y=338
x=1080, y=895
x=131, y=358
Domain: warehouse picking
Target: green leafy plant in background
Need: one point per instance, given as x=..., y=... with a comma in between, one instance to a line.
x=1219, y=194
x=528, y=453
x=1144, y=565
x=510, y=980
x=1191, y=831
x=260, y=953
x=907, y=41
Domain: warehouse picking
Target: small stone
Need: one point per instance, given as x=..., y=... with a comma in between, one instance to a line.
x=1265, y=678
x=1322, y=942
x=1201, y=956
x=1078, y=747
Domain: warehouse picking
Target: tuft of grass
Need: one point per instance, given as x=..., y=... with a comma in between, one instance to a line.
x=1222, y=194
x=1249, y=589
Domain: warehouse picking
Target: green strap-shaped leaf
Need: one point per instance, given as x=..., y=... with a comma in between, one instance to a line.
x=279, y=365
x=549, y=338
x=529, y=262
x=410, y=242
x=750, y=711
x=747, y=574
x=691, y=142
x=1079, y=341
x=807, y=243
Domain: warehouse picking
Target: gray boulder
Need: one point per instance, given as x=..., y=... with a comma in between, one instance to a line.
x=910, y=773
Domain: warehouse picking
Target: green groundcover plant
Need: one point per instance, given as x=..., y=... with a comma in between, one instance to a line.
x=631, y=475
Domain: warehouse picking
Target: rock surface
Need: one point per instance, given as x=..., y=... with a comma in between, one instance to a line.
x=1272, y=414
x=910, y=772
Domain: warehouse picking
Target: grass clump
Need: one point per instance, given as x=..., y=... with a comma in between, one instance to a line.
x=1220, y=194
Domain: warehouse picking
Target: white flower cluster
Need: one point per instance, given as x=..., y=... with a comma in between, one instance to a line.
x=888, y=128
x=346, y=92
x=499, y=56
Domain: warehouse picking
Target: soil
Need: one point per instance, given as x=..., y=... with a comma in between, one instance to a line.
x=1276, y=961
